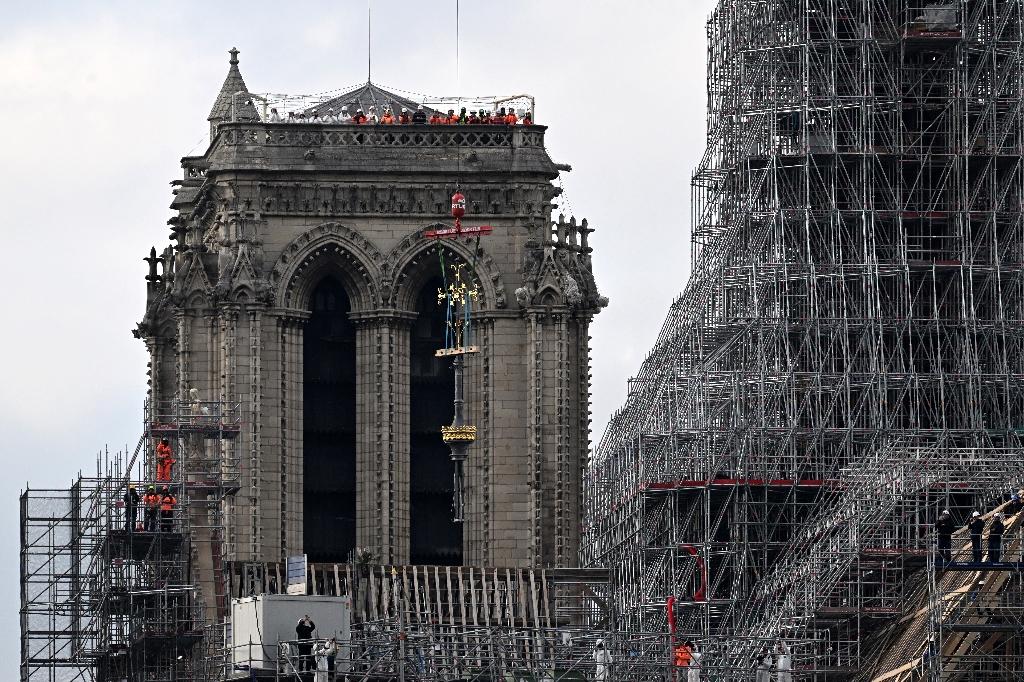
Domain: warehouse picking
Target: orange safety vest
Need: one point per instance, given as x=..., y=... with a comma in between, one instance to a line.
x=511, y=119
x=683, y=656
x=388, y=119
x=404, y=119
x=167, y=502
x=151, y=500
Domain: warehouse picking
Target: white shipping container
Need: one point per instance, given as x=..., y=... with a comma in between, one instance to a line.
x=259, y=623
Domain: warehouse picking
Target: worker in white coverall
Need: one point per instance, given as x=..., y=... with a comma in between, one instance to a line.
x=783, y=663
x=693, y=672
x=763, y=666
x=320, y=657
x=603, y=662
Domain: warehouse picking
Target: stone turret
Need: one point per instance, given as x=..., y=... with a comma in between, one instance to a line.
x=233, y=102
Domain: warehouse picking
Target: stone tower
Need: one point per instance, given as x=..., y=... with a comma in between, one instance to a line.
x=299, y=284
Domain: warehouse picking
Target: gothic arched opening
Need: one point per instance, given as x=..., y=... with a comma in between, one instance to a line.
x=329, y=425
x=434, y=538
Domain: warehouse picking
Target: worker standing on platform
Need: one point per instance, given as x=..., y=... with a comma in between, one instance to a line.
x=693, y=673
x=419, y=116
x=944, y=528
x=763, y=666
x=783, y=663
x=331, y=652
x=303, y=633
x=602, y=662
x=167, y=503
x=151, y=501
x=164, y=461
x=682, y=656
x=995, y=539
x=1014, y=506
x=131, y=508
x=976, y=526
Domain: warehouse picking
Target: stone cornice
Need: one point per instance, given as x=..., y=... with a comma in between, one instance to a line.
x=386, y=315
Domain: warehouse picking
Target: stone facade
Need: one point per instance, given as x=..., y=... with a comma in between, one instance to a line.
x=272, y=209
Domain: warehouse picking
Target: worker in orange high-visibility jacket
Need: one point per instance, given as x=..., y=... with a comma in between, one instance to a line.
x=167, y=503
x=164, y=461
x=681, y=657
x=511, y=118
x=151, y=501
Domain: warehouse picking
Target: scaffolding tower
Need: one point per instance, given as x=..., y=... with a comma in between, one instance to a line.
x=108, y=597
x=845, y=360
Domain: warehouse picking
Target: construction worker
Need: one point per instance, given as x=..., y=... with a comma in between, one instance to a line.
x=693, y=674
x=602, y=662
x=167, y=502
x=303, y=633
x=511, y=118
x=783, y=663
x=527, y=119
x=274, y=116
x=404, y=118
x=359, y=118
x=164, y=461
x=995, y=538
x=151, y=501
x=474, y=117
x=419, y=116
x=331, y=653
x=944, y=528
x=131, y=508
x=344, y=117
x=388, y=118
x=976, y=526
x=682, y=654
x=1014, y=506
x=463, y=116
x=436, y=119
x=763, y=666
x=499, y=118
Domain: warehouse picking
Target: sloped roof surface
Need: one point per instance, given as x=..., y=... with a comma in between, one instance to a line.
x=364, y=97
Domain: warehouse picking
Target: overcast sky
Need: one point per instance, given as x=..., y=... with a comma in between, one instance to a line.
x=103, y=99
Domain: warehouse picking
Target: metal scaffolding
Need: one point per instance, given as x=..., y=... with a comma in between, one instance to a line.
x=845, y=360
x=107, y=598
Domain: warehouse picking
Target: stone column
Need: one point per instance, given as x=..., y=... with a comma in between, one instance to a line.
x=291, y=324
x=549, y=423
x=382, y=425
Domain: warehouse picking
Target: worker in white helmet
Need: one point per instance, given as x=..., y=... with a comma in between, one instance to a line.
x=944, y=529
x=976, y=526
x=783, y=662
x=602, y=662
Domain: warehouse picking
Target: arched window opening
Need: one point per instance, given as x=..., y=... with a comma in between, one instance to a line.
x=435, y=539
x=329, y=426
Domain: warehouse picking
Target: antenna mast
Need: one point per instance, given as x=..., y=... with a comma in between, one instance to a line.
x=369, y=40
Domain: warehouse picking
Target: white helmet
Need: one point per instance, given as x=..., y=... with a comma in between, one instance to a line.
x=975, y=514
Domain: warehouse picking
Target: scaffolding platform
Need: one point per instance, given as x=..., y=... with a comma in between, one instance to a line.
x=101, y=601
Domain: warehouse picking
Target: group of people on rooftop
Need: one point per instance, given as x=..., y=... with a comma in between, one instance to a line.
x=502, y=116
